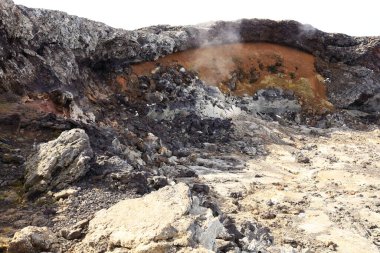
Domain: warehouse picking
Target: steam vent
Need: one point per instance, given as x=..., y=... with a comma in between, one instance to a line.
x=245, y=136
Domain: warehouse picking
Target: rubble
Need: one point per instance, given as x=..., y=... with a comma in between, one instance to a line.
x=32, y=240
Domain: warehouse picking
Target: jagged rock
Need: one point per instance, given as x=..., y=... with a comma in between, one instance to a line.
x=166, y=220
x=59, y=162
x=33, y=240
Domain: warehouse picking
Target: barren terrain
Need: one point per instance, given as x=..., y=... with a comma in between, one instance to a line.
x=247, y=136
x=317, y=192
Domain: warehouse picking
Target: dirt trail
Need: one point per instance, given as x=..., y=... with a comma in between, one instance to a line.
x=316, y=194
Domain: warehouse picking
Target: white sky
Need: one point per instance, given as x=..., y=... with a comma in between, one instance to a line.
x=351, y=17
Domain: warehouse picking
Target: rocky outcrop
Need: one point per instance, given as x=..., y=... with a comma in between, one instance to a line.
x=168, y=220
x=59, y=162
x=163, y=225
x=52, y=50
x=33, y=240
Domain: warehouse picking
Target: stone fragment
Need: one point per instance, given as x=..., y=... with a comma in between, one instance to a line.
x=59, y=162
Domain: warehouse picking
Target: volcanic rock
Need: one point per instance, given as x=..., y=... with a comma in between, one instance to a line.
x=33, y=240
x=59, y=162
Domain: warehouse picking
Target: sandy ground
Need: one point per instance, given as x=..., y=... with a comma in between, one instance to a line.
x=317, y=192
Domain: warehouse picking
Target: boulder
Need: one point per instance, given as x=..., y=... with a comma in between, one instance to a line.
x=59, y=162
x=168, y=220
x=33, y=240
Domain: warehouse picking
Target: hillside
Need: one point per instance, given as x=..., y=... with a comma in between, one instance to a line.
x=245, y=136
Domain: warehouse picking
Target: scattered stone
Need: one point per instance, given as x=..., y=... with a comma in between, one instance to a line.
x=256, y=238
x=113, y=164
x=225, y=246
x=201, y=188
x=81, y=224
x=33, y=240
x=178, y=171
x=134, y=181
x=252, y=151
x=65, y=193
x=158, y=182
x=72, y=234
x=22, y=223
x=165, y=151
x=211, y=147
x=183, y=152
x=331, y=245
x=301, y=158
x=236, y=195
x=271, y=202
x=268, y=215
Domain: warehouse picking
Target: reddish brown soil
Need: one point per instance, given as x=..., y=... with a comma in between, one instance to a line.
x=252, y=63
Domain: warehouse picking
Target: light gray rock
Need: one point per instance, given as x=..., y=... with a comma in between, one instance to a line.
x=59, y=162
x=163, y=221
x=33, y=240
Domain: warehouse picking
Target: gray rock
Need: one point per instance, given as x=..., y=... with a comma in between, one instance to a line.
x=132, y=181
x=134, y=157
x=117, y=146
x=212, y=147
x=256, y=237
x=33, y=240
x=201, y=188
x=158, y=182
x=59, y=162
x=113, y=164
x=177, y=171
